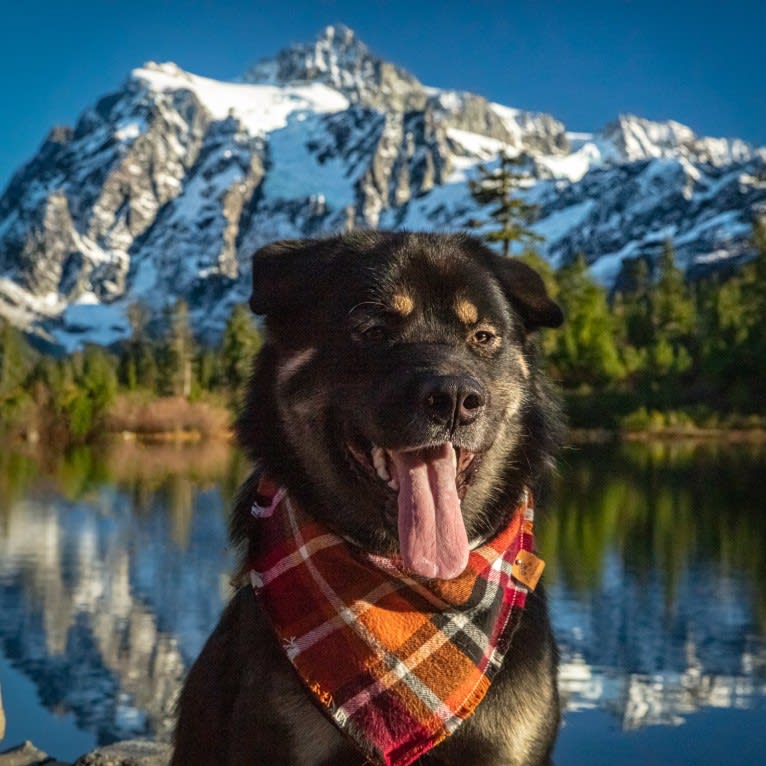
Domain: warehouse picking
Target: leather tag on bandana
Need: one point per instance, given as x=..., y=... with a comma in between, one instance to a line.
x=527, y=568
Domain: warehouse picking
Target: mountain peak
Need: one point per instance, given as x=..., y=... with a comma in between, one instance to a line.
x=638, y=138
x=339, y=34
x=339, y=59
x=336, y=50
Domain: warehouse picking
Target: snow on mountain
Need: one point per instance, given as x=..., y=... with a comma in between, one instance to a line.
x=339, y=60
x=166, y=187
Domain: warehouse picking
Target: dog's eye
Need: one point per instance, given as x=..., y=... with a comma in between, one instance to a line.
x=483, y=337
x=374, y=334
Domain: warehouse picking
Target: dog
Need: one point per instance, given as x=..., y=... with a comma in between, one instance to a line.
x=397, y=404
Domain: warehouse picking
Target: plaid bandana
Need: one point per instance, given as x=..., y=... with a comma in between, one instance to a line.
x=397, y=661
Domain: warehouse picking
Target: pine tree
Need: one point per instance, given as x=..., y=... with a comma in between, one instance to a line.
x=511, y=216
x=672, y=317
x=137, y=367
x=757, y=269
x=92, y=389
x=654, y=313
x=731, y=318
x=177, y=352
x=632, y=304
x=16, y=362
x=241, y=340
x=15, y=358
x=584, y=350
x=138, y=317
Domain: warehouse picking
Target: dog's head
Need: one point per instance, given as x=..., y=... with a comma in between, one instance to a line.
x=397, y=394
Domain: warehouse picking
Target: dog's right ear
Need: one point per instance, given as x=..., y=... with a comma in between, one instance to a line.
x=285, y=274
x=526, y=291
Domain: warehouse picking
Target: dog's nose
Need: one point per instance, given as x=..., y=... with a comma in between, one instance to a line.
x=454, y=400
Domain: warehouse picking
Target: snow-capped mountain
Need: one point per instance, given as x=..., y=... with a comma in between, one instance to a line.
x=165, y=188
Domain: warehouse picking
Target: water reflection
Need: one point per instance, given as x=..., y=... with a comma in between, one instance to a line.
x=114, y=568
x=657, y=579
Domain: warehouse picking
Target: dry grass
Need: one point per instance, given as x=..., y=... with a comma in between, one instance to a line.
x=172, y=418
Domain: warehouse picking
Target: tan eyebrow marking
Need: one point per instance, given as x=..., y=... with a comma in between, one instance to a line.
x=403, y=304
x=465, y=311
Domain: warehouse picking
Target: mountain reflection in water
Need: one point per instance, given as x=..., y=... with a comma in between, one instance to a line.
x=114, y=567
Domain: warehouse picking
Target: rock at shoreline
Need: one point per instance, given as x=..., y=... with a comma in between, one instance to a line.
x=27, y=754
x=135, y=752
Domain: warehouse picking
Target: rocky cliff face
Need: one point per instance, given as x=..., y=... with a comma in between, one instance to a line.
x=341, y=61
x=165, y=188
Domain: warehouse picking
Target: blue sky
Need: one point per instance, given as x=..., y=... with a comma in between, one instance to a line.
x=700, y=63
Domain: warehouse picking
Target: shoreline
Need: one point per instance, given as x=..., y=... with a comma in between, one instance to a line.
x=130, y=752
x=195, y=437
x=177, y=436
x=669, y=434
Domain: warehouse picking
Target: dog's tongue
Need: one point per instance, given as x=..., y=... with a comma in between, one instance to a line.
x=432, y=536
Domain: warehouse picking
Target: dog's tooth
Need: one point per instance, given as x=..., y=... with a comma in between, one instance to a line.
x=379, y=462
x=466, y=458
x=394, y=484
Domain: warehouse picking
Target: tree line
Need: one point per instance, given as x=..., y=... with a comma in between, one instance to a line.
x=657, y=350
x=68, y=398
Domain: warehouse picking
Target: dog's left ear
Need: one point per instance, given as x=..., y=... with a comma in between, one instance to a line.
x=526, y=291
x=286, y=274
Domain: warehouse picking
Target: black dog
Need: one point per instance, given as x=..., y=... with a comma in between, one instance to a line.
x=389, y=357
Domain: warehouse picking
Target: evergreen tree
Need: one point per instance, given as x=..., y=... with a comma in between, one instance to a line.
x=208, y=364
x=16, y=358
x=177, y=352
x=654, y=313
x=672, y=308
x=138, y=317
x=511, y=216
x=632, y=304
x=672, y=317
x=755, y=275
x=138, y=367
x=51, y=379
x=731, y=317
x=584, y=350
x=86, y=398
x=241, y=340
x=16, y=361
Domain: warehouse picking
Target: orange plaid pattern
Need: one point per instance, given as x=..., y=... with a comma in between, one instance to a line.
x=397, y=661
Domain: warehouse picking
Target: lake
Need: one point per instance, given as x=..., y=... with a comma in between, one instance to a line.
x=114, y=567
